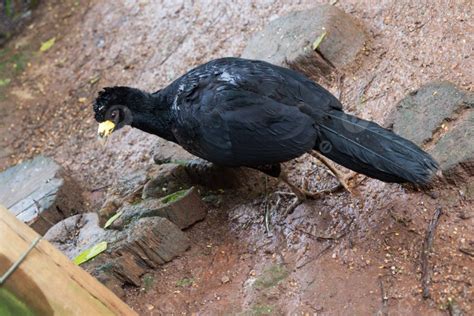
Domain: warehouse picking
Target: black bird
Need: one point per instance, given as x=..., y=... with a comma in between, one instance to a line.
x=236, y=112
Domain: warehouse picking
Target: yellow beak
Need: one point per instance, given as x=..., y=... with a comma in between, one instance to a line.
x=106, y=128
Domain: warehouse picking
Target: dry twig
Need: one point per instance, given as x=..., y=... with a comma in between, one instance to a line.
x=427, y=245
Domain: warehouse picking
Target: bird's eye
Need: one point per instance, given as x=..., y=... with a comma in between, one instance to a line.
x=114, y=114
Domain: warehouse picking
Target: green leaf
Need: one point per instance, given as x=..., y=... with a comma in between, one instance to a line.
x=47, y=45
x=318, y=41
x=112, y=219
x=93, y=80
x=90, y=253
x=4, y=82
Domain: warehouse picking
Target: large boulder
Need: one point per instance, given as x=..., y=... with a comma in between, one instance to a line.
x=288, y=41
x=40, y=193
x=440, y=117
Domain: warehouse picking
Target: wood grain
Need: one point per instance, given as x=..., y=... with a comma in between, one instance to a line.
x=47, y=282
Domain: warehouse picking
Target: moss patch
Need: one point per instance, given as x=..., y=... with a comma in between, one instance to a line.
x=262, y=310
x=12, y=63
x=271, y=276
x=148, y=281
x=185, y=282
x=174, y=196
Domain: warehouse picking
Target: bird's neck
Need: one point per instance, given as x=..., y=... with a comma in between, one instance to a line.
x=151, y=113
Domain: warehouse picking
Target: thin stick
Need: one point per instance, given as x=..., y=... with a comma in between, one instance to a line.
x=317, y=256
x=15, y=266
x=427, y=245
x=384, y=297
x=266, y=209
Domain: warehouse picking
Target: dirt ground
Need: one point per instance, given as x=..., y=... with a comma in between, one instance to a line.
x=341, y=255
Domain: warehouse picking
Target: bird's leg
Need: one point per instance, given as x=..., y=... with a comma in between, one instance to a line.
x=343, y=179
x=300, y=194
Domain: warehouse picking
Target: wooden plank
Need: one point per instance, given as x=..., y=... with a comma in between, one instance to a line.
x=47, y=282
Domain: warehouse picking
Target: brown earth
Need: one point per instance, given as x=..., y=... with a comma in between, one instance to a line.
x=340, y=255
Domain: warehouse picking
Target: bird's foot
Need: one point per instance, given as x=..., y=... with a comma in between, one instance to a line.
x=320, y=194
x=296, y=201
x=300, y=196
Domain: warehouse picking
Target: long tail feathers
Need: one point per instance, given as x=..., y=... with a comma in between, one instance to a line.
x=372, y=150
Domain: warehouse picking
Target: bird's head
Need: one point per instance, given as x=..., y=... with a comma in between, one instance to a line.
x=112, y=110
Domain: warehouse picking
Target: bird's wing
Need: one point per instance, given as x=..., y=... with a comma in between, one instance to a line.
x=235, y=127
x=277, y=83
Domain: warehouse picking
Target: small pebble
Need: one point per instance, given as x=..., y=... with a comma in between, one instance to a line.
x=225, y=279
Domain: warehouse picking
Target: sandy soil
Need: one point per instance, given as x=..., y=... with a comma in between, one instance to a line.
x=340, y=255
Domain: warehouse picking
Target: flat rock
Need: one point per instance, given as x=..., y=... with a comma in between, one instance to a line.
x=76, y=234
x=40, y=193
x=183, y=208
x=166, y=179
x=153, y=241
x=440, y=118
x=288, y=40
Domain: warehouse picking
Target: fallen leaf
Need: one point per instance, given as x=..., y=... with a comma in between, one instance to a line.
x=318, y=41
x=94, y=79
x=90, y=253
x=82, y=100
x=47, y=45
x=112, y=219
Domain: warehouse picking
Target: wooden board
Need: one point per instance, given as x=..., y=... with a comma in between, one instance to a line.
x=47, y=282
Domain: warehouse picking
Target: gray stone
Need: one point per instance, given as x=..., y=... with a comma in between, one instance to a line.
x=129, y=182
x=440, y=117
x=183, y=208
x=455, y=150
x=40, y=193
x=288, y=41
x=166, y=179
x=76, y=234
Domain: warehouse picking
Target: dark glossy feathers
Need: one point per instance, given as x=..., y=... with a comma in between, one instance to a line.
x=237, y=112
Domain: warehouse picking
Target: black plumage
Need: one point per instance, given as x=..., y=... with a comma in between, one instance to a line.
x=237, y=112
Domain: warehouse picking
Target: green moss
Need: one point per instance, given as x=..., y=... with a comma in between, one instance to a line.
x=174, y=196
x=185, y=282
x=271, y=276
x=19, y=61
x=11, y=64
x=148, y=281
x=262, y=310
